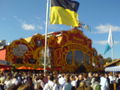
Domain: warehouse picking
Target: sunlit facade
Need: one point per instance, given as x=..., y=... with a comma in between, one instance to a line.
x=68, y=50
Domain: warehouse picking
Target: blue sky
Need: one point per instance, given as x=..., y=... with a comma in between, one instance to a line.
x=24, y=18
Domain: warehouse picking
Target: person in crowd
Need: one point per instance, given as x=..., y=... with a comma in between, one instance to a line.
x=82, y=86
x=45, y=79
x=56, y=84
x=104, y=83
x=118, y=82
x=2, y=79
x=97, y=77
x=85, y=76
x=24, y=87
x=30, y=83
x=107, y=77
x=111, y=80
x=61, y=80
x=67, y=85
x=96, y=85
x=50, y=85
x=14, y=80
x=73, y=82
x=38, y=83
x=7, y=82
x=90, y=78
x=80, y=78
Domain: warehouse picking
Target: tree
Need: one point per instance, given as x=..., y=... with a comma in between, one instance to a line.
x=109, y=59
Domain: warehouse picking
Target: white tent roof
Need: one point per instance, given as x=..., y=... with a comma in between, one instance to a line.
x=112, y=69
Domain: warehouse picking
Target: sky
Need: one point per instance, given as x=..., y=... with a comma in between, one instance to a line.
x=24, y=18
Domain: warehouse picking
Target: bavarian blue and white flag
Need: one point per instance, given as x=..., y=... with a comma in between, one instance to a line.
x=109, y=43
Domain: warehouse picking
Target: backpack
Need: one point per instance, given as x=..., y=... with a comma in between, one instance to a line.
x=98, y=87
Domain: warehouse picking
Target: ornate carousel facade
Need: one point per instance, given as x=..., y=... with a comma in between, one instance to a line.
x=69, y=51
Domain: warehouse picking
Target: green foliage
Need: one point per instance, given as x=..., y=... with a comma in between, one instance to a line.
x=109, y=59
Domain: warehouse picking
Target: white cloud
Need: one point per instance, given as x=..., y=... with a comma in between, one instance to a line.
x=40, y=27
x=19, y=19
x=24, y=25
x=105, y=28
x=104, y=42
x=56, y=27
x=28, y=27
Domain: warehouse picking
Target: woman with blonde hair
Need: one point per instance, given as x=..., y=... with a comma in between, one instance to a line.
x=82, y=86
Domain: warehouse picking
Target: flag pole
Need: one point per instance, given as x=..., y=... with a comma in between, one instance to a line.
x=46, y=31
x=112, y=50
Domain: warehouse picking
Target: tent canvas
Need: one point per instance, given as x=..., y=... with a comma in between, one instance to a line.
x=25, y=68
x=112, y=69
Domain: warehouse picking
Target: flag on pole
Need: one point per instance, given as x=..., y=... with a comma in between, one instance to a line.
x=109, y=43
x=2, y=44
x=86, y=27
x=64, y=12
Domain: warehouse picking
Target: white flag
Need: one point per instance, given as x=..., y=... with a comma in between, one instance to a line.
x=110, y=38
x=110, y=42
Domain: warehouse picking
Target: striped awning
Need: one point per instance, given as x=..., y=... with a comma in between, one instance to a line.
x=112, y=69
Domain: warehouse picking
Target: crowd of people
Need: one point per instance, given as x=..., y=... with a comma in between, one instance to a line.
x=58, y=81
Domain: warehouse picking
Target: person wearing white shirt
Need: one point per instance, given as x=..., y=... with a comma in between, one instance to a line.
x=8, y=83
x=50, y=85
x=61, y=81
x=67, y=85
x=73, y=82
x=104, y=83
x=14, y=81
